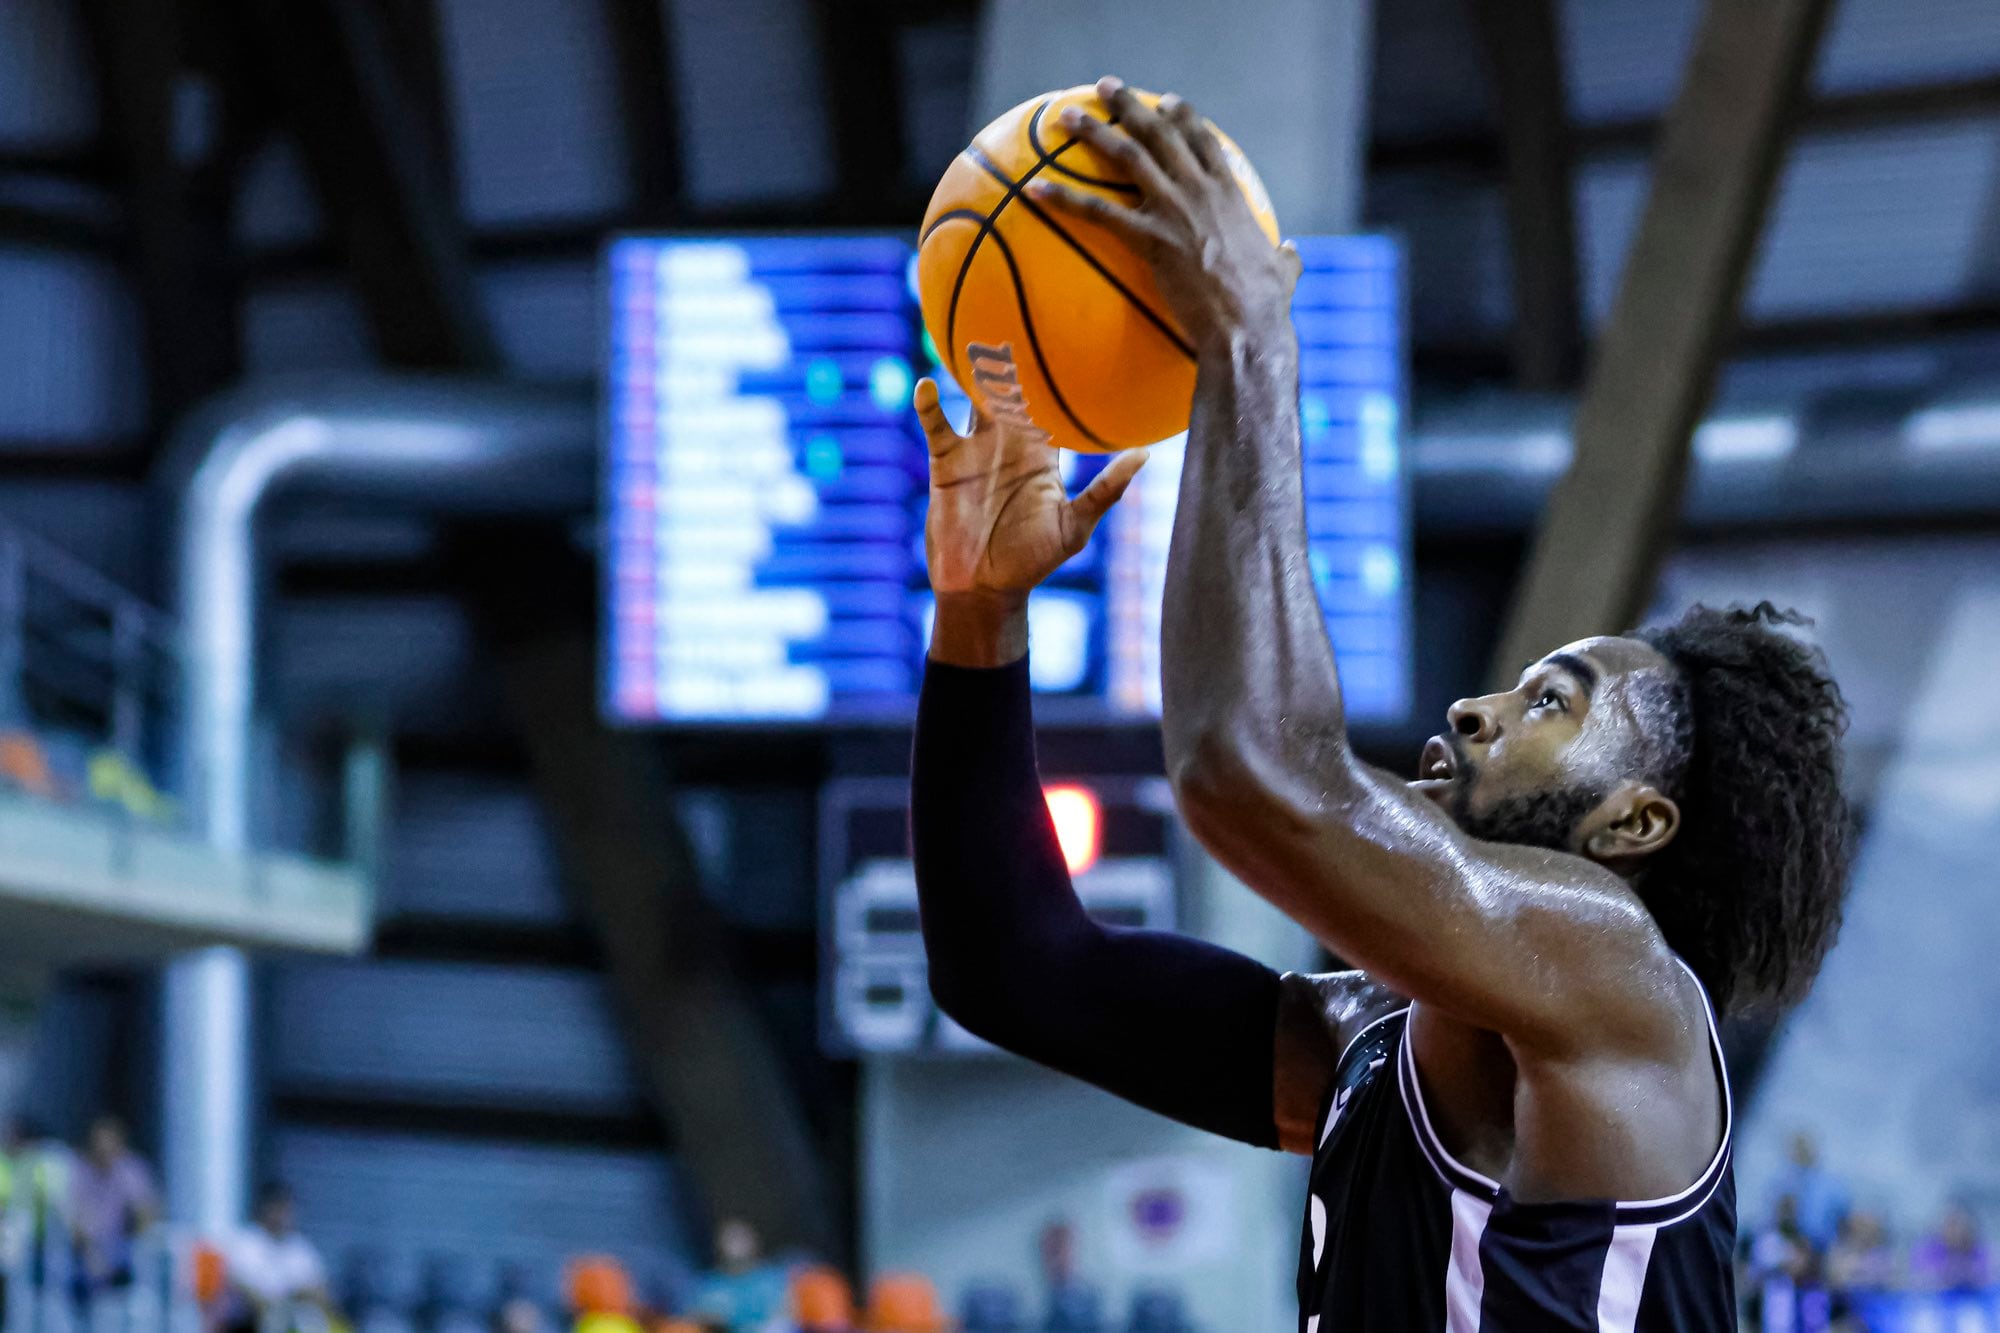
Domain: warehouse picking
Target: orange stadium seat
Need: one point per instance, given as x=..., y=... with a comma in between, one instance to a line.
x=903, y=1303
x=822, y=1301
x=599, y=1285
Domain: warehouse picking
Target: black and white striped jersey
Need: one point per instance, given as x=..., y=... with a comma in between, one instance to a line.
x=1402, y=1238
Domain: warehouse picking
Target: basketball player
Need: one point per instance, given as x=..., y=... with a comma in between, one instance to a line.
x=1516, y=1107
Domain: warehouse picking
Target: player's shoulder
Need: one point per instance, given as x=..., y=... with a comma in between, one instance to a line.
x=1345, y=1003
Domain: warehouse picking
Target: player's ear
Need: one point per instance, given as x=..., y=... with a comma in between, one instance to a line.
x=1632, y=823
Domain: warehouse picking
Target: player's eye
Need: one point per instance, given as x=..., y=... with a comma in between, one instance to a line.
x=1549, y=699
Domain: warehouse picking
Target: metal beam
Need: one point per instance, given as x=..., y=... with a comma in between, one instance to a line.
x=371, y=150
x=1881, y=108
x=707, y=1058
x=641, y=47
x=88, y=163
x=862, y=81
x=1455, y=363
x=176, y=191
x=45, y=229
x=112, y=460
x=416, y=45
x=581, y=238
x=1607, y=524
x=1523, y=43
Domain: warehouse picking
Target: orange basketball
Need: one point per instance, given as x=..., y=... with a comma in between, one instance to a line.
x=1045, y=318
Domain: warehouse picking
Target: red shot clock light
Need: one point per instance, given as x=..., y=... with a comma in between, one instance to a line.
x=1079, y=821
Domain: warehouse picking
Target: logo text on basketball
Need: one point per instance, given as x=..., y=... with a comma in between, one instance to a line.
x=995, y=380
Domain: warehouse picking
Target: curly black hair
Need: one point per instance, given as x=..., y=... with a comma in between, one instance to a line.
x=1750, y=892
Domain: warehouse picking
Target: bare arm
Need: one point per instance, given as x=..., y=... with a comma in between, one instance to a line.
x=1542, y=947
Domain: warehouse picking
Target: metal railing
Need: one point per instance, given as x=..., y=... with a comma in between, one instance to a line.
x=90, y=683
x=44, y=1295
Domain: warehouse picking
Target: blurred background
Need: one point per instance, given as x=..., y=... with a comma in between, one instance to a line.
x=460, y=608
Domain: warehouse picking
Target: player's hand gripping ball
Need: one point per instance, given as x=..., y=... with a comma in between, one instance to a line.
x=1052, y=270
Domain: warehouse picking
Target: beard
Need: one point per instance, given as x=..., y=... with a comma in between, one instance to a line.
x=1535, y=819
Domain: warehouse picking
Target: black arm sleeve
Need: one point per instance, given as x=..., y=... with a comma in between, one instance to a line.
x=1176, y=1025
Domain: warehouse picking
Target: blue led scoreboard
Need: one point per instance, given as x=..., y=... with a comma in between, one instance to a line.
x=764, y=488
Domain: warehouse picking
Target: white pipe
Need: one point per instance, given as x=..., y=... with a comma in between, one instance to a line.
x=424, y=445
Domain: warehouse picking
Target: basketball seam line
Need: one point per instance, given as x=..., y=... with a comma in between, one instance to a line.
x=965, y=266
x=1154, y=318
x=1021, y=303
x=1035, y=344
x=1048, y=159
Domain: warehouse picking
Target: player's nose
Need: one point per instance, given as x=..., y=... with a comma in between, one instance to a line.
x=1475, y=719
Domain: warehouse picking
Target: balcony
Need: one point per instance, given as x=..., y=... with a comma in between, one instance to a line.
x=99, y=862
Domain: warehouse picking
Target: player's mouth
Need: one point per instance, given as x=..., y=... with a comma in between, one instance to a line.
x=1437, y=769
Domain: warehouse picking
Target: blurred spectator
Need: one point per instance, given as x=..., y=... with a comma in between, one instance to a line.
x=112, y=1199
x=1057, y=1245
x=518, y=1314
x=746, y=1292
x=1862, y=1259
x=272, y=1269
x=34, y=1174
x=1953, y=1258
x=1782, y=1249
x=1070, y=1304
x=33, y=1183
x=1821, y=1199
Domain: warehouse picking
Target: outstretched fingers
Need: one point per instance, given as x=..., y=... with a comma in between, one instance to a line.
x=930, y=415
x=1096, y=499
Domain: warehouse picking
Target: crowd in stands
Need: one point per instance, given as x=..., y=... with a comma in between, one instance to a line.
x=749, y=1293
x=88, y=1205
x=77, y=1220
x=1819, y=1260
x=84, y=1222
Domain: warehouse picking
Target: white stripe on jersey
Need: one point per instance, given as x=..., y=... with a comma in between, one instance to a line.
x=1465, y=1280
x=1624, y=1278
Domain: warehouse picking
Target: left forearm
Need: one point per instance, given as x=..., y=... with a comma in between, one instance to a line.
x=1245, y=658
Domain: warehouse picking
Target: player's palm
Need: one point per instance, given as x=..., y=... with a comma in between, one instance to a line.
x=1000, y=521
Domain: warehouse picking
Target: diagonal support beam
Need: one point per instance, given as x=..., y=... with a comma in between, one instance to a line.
x=646, y=103
x=863, y=85
x=372, y=153
x=1607, y=524
x=704, y=1050
x=1523, y=43
x=163, y=115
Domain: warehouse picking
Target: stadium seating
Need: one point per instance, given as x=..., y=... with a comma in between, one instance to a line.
x=822, y=1300
x=1158, y=1310
x=1074, y=1309
x=903, y=1303
x=989, y=1308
